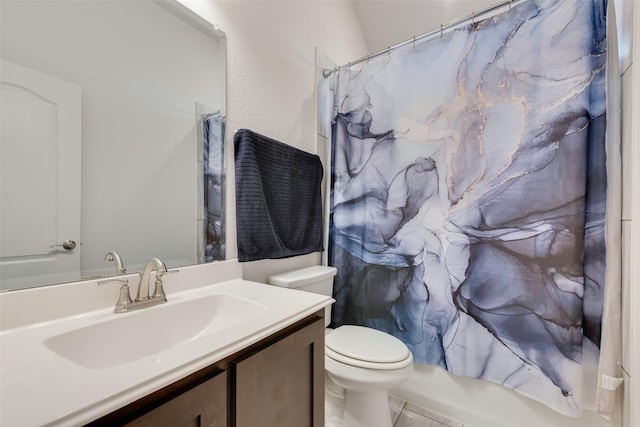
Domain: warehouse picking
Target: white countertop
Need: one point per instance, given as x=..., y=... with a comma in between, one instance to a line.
x=38, y=387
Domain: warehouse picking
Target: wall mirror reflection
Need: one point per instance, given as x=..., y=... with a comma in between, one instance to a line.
x=106, y=110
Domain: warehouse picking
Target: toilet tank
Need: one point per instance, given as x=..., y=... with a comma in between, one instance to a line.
x=317, y=279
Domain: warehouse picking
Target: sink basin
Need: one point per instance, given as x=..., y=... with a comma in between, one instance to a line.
x=125, y=338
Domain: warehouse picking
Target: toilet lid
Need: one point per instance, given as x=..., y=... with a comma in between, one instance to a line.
x=366, y=344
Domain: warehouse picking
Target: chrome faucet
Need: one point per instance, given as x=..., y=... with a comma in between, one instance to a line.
x=142, y=299
x=114, y=256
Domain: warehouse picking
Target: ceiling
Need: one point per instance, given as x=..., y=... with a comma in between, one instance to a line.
x=388, y=22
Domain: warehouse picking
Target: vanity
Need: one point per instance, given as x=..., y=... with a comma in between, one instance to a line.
x=226, y=352
x=270, y=383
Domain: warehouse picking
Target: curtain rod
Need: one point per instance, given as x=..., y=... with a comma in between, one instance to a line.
x=207, y=115
x=327, y=72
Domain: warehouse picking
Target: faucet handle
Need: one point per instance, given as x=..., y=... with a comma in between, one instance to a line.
x=158, y=292
x=162, y=273
x=124, y=282
x=124, y=299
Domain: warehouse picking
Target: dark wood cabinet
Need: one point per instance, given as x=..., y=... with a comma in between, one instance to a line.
x=283, y=384
x=277, y=382
x=203, y=406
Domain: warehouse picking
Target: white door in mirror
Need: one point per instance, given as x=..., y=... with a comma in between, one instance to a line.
x=40, y=148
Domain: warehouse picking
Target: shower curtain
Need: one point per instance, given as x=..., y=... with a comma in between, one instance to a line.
x=469, y=194
x=213, y=131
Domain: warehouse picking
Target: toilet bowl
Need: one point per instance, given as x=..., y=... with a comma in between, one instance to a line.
x=366, y=363
x=361, y=361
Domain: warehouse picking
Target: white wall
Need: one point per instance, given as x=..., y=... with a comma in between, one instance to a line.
x=386, y=23
x=270, y=83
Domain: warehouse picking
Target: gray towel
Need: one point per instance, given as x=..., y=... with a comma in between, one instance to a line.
x=278, y=198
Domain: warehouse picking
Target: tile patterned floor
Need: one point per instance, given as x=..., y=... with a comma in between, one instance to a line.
x=408, y=415
x=403, y=414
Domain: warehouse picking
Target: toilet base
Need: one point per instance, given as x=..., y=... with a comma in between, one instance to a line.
x=366, y=409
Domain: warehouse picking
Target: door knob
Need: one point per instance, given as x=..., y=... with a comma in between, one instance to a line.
x=67, y=245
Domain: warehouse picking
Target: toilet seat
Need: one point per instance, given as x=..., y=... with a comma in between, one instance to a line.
x=367, y=348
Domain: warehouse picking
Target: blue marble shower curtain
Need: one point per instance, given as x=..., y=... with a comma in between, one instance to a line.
x=468, y=197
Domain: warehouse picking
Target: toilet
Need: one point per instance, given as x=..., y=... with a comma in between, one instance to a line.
x=362, y=362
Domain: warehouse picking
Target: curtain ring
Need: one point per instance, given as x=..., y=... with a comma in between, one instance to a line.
x=389, y=50
x=473, y=18
x=367, y=59
x=441, y=31
x=414, y=42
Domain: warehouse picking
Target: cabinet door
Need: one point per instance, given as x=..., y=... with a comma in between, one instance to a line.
x=283, y=385
x=202, y=406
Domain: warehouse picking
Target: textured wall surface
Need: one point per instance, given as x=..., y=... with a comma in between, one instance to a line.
x=270, y=80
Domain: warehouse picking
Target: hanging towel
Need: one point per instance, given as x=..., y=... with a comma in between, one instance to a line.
x=278, y=198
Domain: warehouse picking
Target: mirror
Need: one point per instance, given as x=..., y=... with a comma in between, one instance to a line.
x=114, y=141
